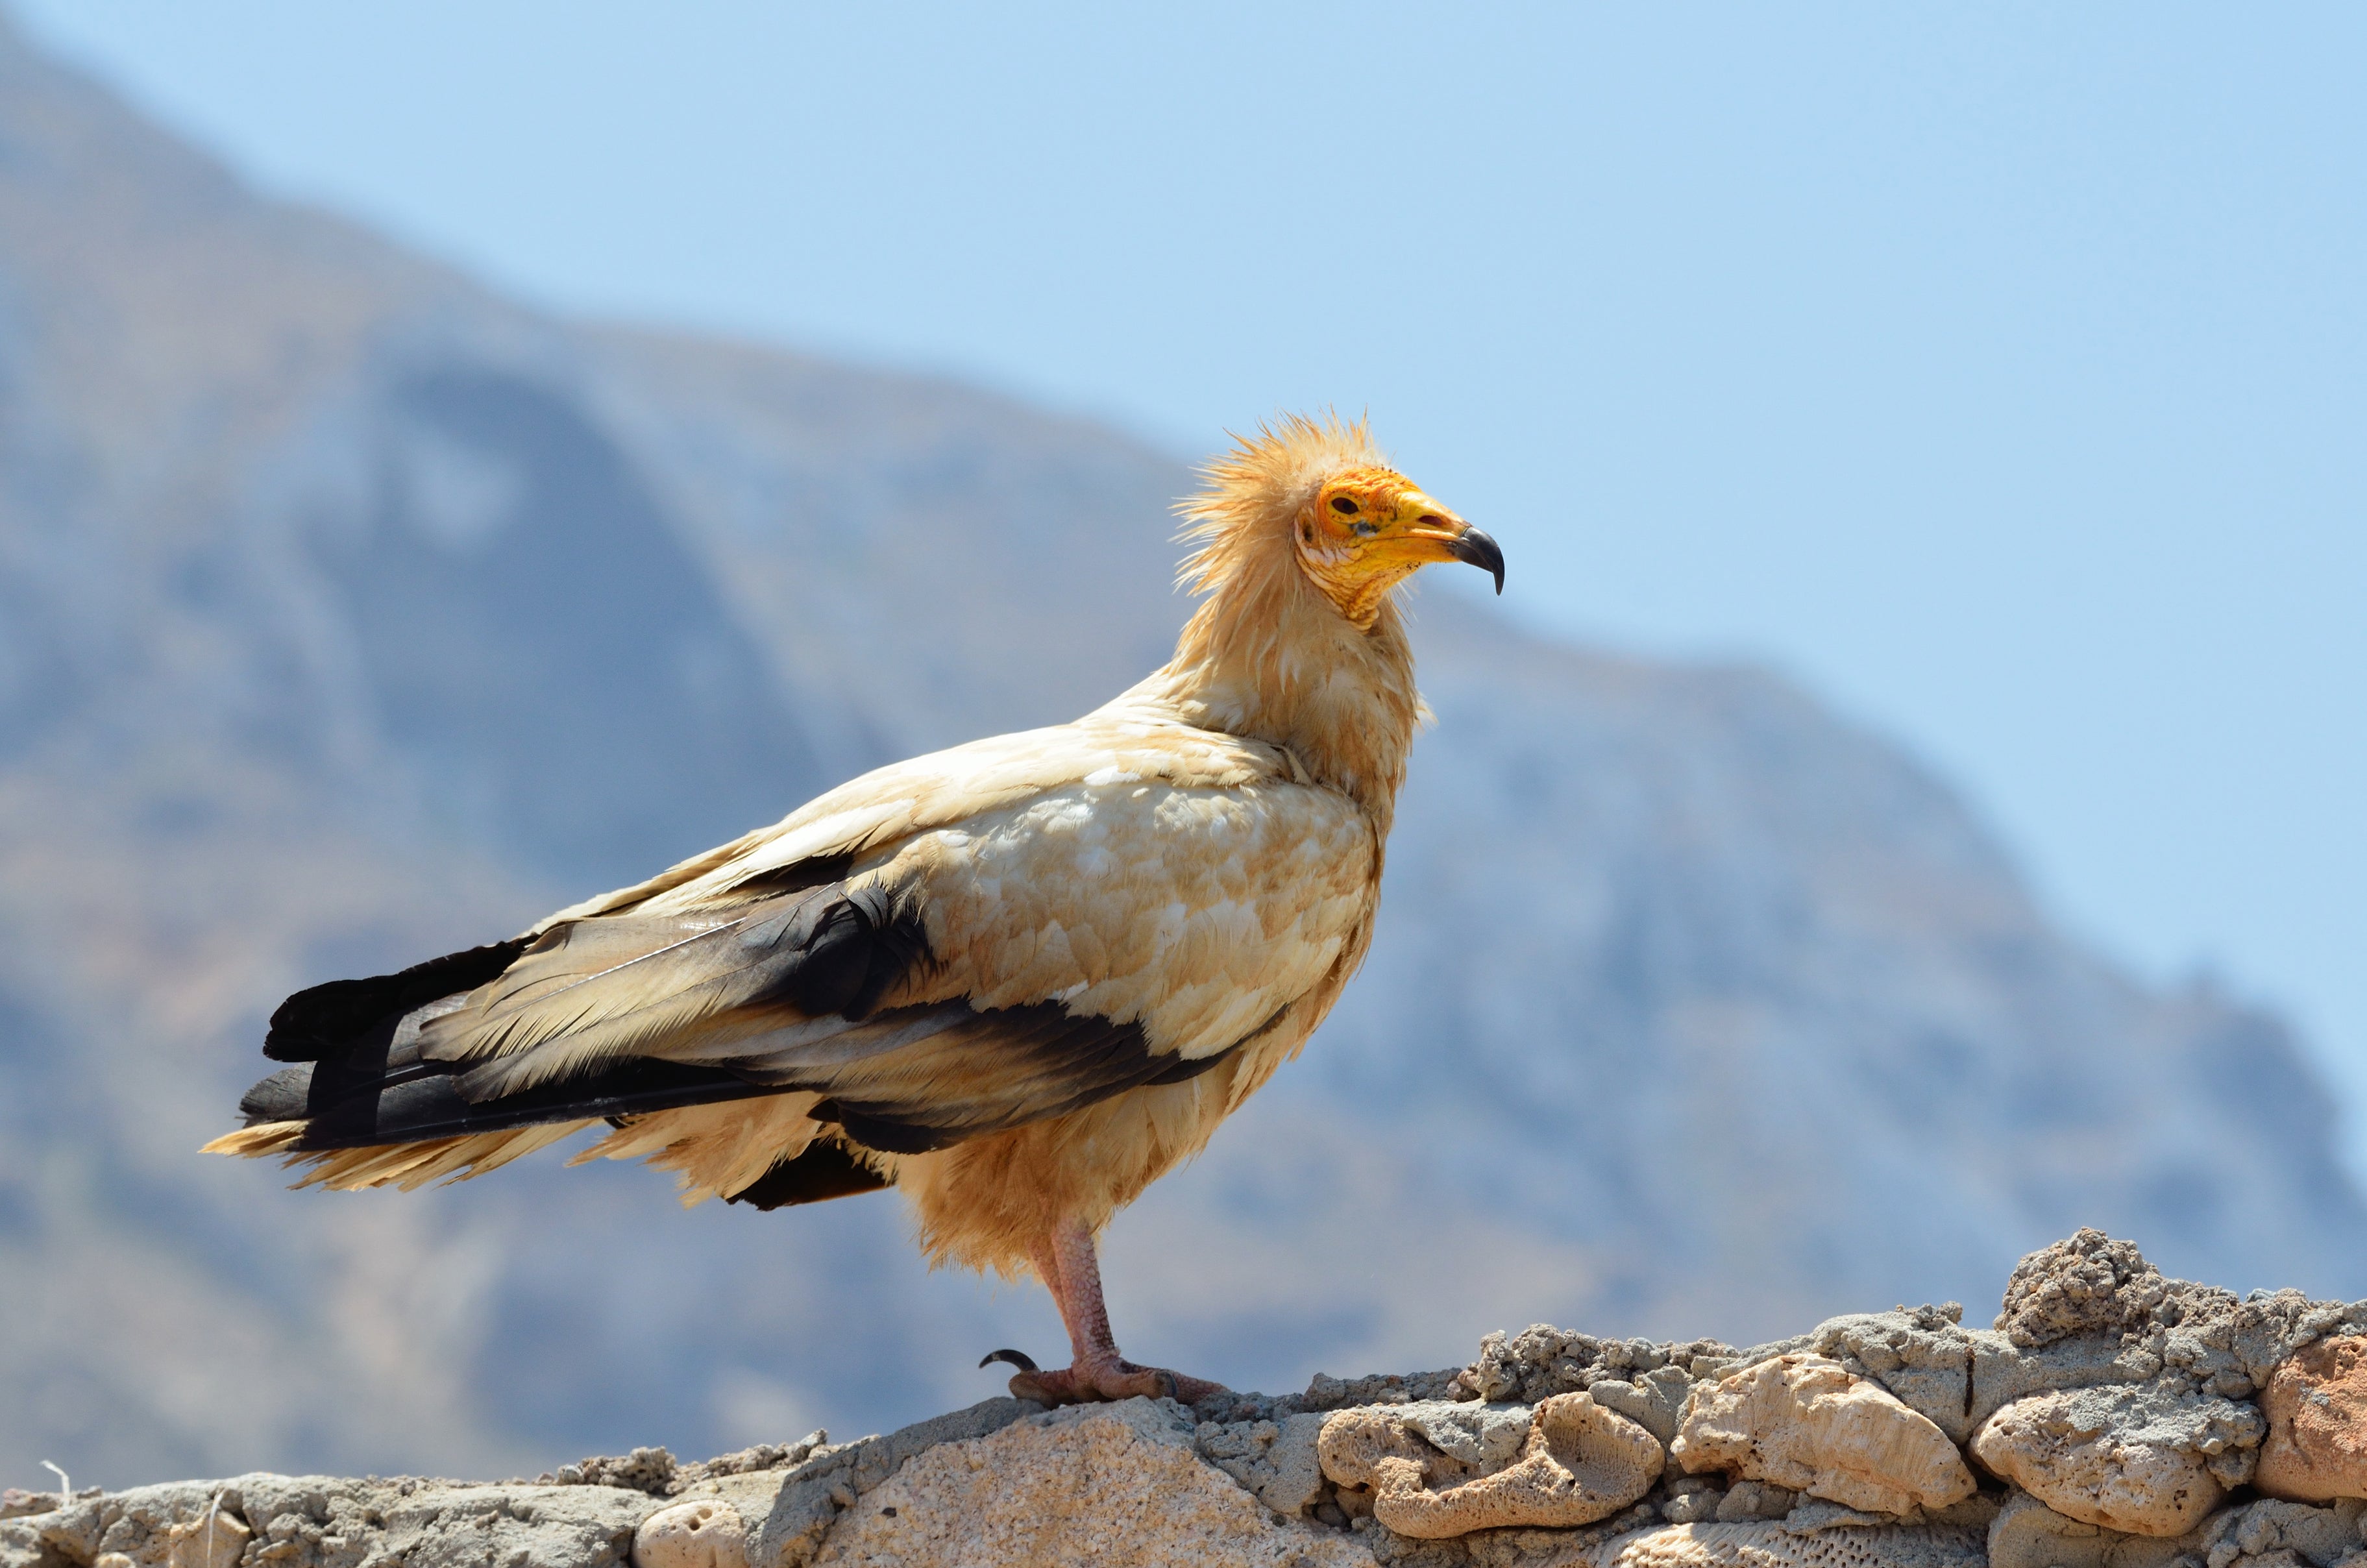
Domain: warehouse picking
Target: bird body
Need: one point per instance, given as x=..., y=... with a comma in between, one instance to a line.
x=1017, y=980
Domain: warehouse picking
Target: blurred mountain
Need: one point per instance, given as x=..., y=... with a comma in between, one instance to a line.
x=349, y=613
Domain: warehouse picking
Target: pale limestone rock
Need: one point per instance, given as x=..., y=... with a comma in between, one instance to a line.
x=1445, y=1442
x=1079, y=1487
x=1486, y=1437
x=215, y=1540
x=1541, y=1360
x=1748, y=1500
x=1576, y=1463
x=1806, y=1423
x=1654, y=1401
x=2087, y=1283
x=313, y=1521
x=1692, y=1499
x=704, y=1533
x=1275, y=1460
x=2148, y=1461
x=788, y=1522
x=2003, y=1371
x=2287, y=1534
x=1924, y=1355
x=2316, y=1408
x=2028, y=1534
x=1776, y=1545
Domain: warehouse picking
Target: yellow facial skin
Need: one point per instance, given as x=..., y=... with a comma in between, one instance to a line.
x=1369, y=529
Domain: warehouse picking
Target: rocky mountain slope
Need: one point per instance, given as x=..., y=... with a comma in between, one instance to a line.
x=349, y=613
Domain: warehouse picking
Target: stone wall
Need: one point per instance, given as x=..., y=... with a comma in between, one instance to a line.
x=2109, y=1418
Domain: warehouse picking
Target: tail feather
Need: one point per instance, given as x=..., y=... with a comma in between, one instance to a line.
x=259, y=1139
x=460, y=1065
x=445, y=1159
x=327, y=1020
x=407, y=1165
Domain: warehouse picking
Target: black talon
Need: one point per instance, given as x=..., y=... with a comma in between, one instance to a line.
x=1019, y=1358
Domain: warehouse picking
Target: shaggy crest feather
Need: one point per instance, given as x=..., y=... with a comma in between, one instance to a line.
x=1252, y=492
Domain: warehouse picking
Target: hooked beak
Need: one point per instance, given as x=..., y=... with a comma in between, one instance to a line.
x=1432, y=533
x=1476, y=549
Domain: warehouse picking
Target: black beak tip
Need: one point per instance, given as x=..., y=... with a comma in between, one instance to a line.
x=1477, y=548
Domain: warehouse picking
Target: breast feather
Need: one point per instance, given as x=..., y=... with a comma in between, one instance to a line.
x=1197, y=912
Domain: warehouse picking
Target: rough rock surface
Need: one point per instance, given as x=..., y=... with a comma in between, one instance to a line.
x=2316, y=1408
x=1576, y=1462
x=2286, y=1535
x=1808, y=1423
x=705, y=1533
x=2115, y=1412
x=1541, y=1360
x=1074, y=1487
x=2140, y=1459
x=1276, y=1461
x=1786, y=1546
x=1924, y=1356
x=317, y=1522
x=2028, y=1534
x=2087, y=1283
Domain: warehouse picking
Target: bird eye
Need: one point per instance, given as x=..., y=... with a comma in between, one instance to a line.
x=1341, y=504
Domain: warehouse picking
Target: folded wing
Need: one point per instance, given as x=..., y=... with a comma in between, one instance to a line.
x=1118, y=906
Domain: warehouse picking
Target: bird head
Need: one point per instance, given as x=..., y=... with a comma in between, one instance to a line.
x=1354, y=526
x=1367, y=528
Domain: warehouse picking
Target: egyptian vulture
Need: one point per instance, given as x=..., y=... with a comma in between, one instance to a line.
x=1017, y=980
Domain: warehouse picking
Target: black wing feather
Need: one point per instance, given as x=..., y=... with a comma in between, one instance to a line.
x=326, y=1021
x=823, y=1171
x=363, y=1079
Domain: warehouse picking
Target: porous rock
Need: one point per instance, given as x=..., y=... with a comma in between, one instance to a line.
x=1541, y=1360
x=644, y=1469
x=2316, y=1408
x=2105, y=1388
x=1327, y=1393
x=805, y=1501
x=705, y=1533
x=1576, y=1462
x=1692, y=1499
x=1804, y=1423
x=759, y=1458
x=1275, y=1460
x=2287, y=1535
x=1782, y=1545
x=1074, y=1487
x=1923, y=1355
x=320, y=1522
x=1654, y=1401
x=2003, y=1371
x=1748, y=1500
x=2088, y=1283
x=2146, y=1461
x=1482, y=1437
x=213, y=1539
x=2026, y=1533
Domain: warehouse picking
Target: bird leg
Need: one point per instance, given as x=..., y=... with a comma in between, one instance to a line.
x=1065, y=1262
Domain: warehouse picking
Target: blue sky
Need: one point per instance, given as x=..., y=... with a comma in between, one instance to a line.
x=1999, y=371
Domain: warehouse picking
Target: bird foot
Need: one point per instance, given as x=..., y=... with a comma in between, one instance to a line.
x=1099, y=1378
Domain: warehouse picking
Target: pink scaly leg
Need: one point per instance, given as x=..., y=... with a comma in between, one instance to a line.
x=1066, y=1261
